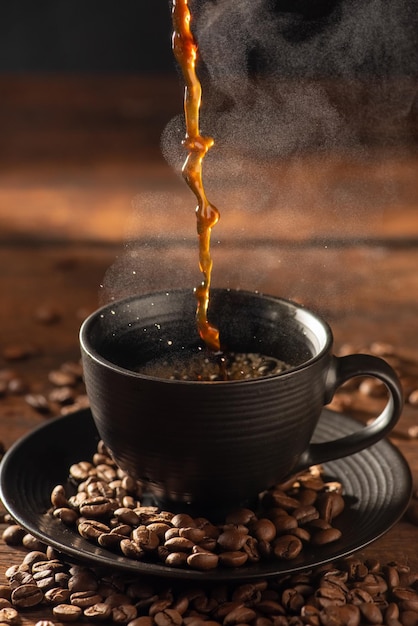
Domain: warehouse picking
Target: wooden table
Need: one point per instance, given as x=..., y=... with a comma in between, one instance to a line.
x=336, y=233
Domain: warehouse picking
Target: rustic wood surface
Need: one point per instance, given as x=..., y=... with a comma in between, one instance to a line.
x=77, y=153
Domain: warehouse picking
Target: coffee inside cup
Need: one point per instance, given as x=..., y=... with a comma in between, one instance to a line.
x=203, y=365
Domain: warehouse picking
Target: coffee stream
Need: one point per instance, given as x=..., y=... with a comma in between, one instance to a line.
x=185, y=52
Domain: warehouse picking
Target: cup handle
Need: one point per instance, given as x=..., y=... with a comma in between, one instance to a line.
x=342, y=369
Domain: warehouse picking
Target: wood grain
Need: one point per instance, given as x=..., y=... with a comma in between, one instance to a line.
x=74, y=154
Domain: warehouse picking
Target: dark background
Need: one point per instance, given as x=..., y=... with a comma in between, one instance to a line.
x=85, y=35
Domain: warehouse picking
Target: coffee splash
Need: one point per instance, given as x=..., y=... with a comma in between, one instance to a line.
x=207, y=215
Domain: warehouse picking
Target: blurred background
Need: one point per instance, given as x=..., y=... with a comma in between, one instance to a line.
x=85, y=36
x=313, y=106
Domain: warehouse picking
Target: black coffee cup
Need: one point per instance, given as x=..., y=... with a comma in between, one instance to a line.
x=219, y=444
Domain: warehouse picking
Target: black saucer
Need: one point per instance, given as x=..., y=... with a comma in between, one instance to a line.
x=377, y=485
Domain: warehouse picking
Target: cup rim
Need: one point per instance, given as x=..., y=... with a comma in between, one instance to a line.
x=301, y=312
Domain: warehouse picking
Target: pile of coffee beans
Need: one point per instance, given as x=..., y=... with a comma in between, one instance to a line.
x=64, y=390
x=348, y=592
x=104, y=505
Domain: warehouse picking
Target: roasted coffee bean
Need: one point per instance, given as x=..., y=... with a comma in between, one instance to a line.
x=27, y=595
x=60, y=378
x=233, y=538
x=146, y=539
x=235, y=558
x=203, y=560
x=330, y=505
x=83, y=599
x=284, y=523
x=176, y=559
x=181, y=520
x=195, y=535
x=82, y=580
x=32, y=543
x=240, y=516
x=96, y=508
x=325, y=536
x=348, y=615
x=99, y=612
x=59, y=497
x=62, y=395
x=67, y=612
x=68, y=516
x=179, y=544
x=92, y=529
x=168, y=617
x=57, y=595
x=13, y=535
x=263, y=529
x=287, y=547
x=240, y=615
x=371, y=613
x=305, y=513
x=144, y=620
x=9, y=615
x=38, y=402
x=125, y=515
x=132, y=550
x=124, y=613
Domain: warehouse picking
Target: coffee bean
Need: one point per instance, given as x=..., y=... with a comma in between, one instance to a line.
x=235, y=558
x=287, y=547
x=349, y=615
x=68, y=516
x=127, y=516
x=233, y=538
x=67, y=612
x=82, y=580
x=168, y=617
x=99, y=611
x=144, y=620
x=57, y=595
x=239, y=615
x=240, y=516
x=27, y=595
x=179, y=544
x=60, y=378
x=195, y=535
x=330, y=505
x=32, y=543
x=13, y=535
x=176, y=559
x=38, y=402
x=62, y=395
x=146, y=539
x=132, y=550
x=203, y=560
x=124, y=613
x=9, y=615
x=263, y=529
x=92, y=529
x=325, y=536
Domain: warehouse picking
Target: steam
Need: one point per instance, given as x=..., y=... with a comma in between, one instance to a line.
x=292, y=90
